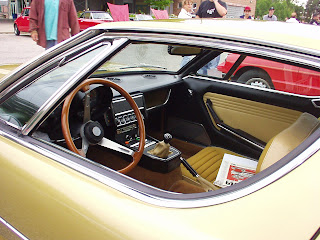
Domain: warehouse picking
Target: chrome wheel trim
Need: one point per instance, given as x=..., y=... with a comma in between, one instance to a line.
x=258, y=82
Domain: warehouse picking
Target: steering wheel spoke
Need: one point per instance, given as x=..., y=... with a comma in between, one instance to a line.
x=107, y=143
x=85, y=145
x=86, y=115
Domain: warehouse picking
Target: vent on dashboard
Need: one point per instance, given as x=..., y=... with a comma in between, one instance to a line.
x=150, y=76
x=113, y=79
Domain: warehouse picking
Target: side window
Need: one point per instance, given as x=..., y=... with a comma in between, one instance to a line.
x=212, y=68
x=87, y=15
x=263, y=73
x=26, y=12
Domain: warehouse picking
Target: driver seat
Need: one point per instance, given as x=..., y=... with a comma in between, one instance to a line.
x=208, y=160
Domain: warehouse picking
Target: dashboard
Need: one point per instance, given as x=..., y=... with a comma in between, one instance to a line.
x=117, y=117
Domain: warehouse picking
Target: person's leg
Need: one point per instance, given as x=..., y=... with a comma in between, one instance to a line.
x=51, y=43
x=212, y=64
x=185, y=60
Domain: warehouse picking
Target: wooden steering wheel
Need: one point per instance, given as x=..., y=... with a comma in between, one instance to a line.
x=92, y=132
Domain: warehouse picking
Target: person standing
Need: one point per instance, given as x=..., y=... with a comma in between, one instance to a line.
x=270, y=16
x=51, y=20
x=187, y=9
x=315, y=19
x=247, y=11
x=293, y=18
x=212, y=9
x=186, y=12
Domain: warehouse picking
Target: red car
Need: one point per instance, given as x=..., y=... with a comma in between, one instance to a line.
x=275, y=75
x=92, y=18
x=21, y=24
x=87, y=19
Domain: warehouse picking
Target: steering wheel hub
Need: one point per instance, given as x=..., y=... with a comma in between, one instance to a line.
x=93, y=132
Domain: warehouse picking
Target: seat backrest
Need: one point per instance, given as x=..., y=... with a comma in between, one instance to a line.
x=160, y=14
x=287, y=140
x=119, y=12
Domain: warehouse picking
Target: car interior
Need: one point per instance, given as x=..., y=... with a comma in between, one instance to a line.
x=168, y=128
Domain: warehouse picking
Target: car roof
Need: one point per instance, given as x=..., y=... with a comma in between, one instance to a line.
x=299, y=35
x=96, y=11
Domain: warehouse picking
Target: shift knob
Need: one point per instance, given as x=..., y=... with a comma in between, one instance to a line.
x=167, y=137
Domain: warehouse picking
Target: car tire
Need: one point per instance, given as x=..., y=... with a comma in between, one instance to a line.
x=16, y=30
x=256, y=78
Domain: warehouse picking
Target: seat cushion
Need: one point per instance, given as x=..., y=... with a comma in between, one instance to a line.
x=206, y=163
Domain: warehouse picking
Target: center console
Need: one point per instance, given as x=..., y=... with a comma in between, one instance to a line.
x=127, y=135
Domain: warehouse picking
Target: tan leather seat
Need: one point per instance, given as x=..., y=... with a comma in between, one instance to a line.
x=207, y=161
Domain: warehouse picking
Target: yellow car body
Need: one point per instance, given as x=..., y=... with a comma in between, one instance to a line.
x=49, y=195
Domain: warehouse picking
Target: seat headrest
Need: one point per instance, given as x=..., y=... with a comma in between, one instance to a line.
x=287, y=140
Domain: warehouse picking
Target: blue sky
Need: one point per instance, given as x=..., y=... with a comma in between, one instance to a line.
x=302, y=1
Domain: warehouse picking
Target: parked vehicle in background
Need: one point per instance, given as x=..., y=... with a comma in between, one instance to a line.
x=142, y=17
x=264, y=73
x=92, y=18
x=86, y=19
x=21, y=24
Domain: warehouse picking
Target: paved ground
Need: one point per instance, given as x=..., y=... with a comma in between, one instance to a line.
x=6, y=26
x=15, y=50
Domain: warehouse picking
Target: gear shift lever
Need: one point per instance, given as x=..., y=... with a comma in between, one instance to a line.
x=162, y=149
x=167, y=137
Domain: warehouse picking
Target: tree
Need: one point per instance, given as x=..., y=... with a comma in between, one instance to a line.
x=159, y=4
x=312, y=7
x=283, y=8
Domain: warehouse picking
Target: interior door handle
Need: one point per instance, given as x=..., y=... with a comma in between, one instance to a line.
x=236, y=132
x=316, y=102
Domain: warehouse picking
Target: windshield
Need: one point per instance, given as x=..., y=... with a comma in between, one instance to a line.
x=101, y=15
x=143, y=57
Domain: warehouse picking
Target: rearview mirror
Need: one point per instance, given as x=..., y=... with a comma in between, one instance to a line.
x=183, y=50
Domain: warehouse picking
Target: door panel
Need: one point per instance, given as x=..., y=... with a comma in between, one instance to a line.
x=255, y=113
x=260, y=120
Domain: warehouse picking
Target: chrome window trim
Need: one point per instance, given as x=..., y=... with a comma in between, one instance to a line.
x=12, y=229
x=68, y=85
x=11, y=124
x=311, y=98
x=201, y=201
x=316, y=102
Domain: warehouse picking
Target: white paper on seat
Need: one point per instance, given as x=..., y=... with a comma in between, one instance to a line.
x=234, y=169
